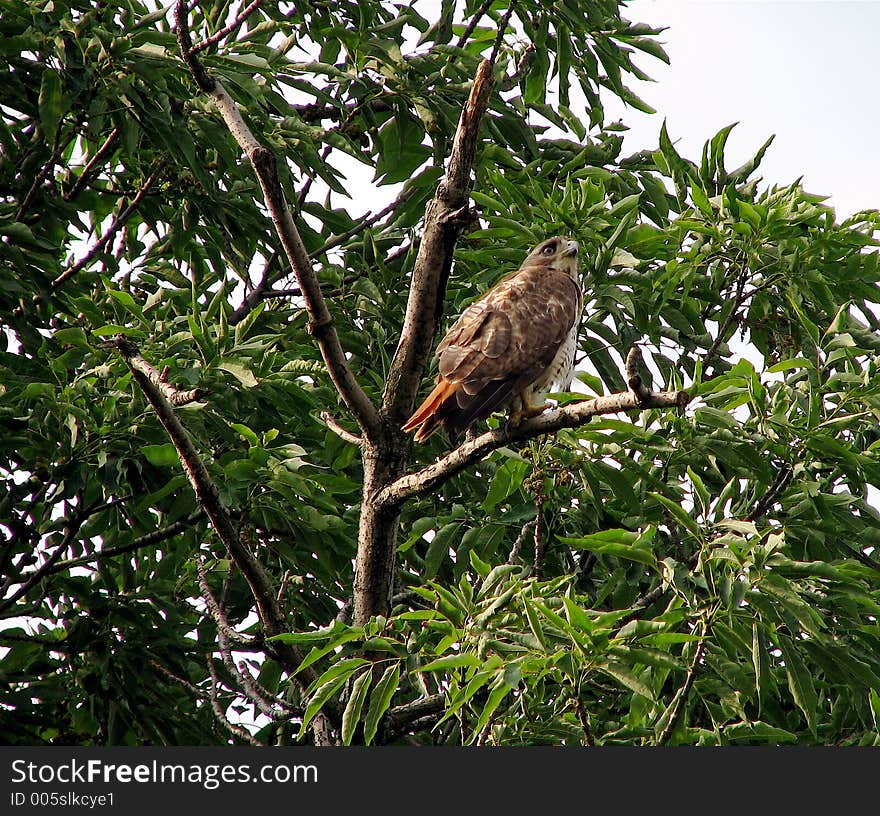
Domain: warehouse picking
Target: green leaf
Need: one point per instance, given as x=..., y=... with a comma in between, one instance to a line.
x=499, y=691
x=51, y=103
x=380, y=700
x=454, y=661
x=627, y=678
x=438, y=549
x=322, y=694
x=679, y=514
x=800, y=682
x=161, y=455
x=790, y=364
x=352, y=713
x=241, y=372
x=617, y=542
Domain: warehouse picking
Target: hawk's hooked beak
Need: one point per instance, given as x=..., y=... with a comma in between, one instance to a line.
x=572, y=250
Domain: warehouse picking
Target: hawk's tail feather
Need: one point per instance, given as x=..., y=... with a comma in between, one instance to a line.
x=426, y=419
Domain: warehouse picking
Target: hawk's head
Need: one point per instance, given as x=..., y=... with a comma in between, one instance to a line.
x=557, y=253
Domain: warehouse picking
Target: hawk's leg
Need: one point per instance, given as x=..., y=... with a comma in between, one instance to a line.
x=523, y=408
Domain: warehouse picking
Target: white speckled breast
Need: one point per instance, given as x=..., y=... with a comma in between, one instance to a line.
x=560, y=371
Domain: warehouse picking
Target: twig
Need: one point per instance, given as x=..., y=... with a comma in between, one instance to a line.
x=739, y=300
x=219, y=35
x=260, y=292
x=264, y=163
x=181, y=681
x=540, y=542
x=473, y=23
x=520, y=540
x=522, y=67
x=685, y=690
x=502, y=29
x=368, y=220
x=147, y=540
x=767, y=500
x=43, y=570
x=583, y=719
x=114, y=227
x=282, y=590
x=57, y=149
x=219, y=616
x=331, y=422
x=220, y=714
x=99, y=156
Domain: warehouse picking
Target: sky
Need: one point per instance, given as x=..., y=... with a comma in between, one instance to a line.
x=804, y=71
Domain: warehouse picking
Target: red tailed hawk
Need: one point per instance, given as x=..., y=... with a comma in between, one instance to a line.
x=508, y=347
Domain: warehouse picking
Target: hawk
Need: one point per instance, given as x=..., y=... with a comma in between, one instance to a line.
x=508, y=347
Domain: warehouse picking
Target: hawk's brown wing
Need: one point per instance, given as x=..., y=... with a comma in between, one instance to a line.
x=499, y=345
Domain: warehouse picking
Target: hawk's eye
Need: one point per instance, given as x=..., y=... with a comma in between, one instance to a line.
x=549, y=249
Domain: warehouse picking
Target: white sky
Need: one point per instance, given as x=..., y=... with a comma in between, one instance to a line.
x=805, y=71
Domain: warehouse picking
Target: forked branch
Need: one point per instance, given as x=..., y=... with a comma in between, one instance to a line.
x=265, y=166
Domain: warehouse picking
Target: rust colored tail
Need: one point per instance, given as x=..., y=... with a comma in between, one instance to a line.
x=428, y=417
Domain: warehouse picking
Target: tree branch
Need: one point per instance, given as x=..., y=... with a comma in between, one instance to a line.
x=343, y=433
x=264, y=163
x=224, y=628
x=472, y=450
x=58, y=148
x=446, y=217
x=269, y=612
x=219, y=35
x=220, y=714
x=148, y=540
x=87, y=171
x=159, y=380
x=206, y=491
x=399, y=719
x=114, y=227
x=685, y=691
x=472, y=25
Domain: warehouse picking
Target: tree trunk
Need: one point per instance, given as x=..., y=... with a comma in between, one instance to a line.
x=377, y=532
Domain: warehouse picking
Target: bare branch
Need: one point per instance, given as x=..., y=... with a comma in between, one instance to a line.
x=114, y=227
x=58, y=148
x=474, y=22
x=583, y=719
x=446, y=217
x=87, y=171
x=685, y=691
x=264, y=163
x=141, y=542
x=365, y=223
x=521, y=539
x=220, y=620
x=401, y=719
x=740, y=298
x=158, y=379
x=220, y=714
x=44, y=569
x=342, y=433
x=207, y=493
x=219, y=35
x=472, y=450
x=768, y=499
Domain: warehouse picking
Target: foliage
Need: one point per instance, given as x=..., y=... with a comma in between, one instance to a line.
x=699, y=578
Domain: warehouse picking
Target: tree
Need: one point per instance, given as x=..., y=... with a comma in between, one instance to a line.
x=211, y=342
